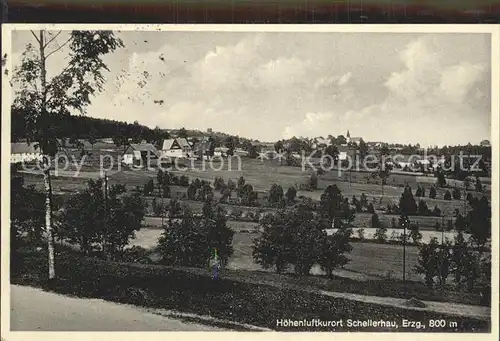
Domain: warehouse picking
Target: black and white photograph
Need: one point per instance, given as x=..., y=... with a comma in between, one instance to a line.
x=250, y=179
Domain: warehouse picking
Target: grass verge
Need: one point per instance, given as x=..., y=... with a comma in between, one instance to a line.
x=193, y=291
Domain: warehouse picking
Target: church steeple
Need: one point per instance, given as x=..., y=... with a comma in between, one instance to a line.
x=348, y=134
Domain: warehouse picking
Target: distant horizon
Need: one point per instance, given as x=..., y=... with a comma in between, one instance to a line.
x=301, y=137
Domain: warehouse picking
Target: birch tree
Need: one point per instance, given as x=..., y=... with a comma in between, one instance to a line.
x=43, y=98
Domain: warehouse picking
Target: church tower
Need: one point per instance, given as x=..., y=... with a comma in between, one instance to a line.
x=348, y=137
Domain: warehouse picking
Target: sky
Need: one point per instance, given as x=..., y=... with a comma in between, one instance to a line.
x=432, y=89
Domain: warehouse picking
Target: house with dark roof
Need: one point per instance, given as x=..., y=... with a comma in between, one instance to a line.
x=177, y=148
x=24, y=152
x=140, y=152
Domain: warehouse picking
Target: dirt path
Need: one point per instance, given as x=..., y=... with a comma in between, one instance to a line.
x=36, y=310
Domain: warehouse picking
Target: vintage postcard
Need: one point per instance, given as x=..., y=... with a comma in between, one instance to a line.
x=257, y=178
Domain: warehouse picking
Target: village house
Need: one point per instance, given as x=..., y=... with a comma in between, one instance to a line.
x=177, y=148
x=268, y=151
x=107, y=140
x=141, y=152
x=220, y=151
x=374, y=145
x=24, y=152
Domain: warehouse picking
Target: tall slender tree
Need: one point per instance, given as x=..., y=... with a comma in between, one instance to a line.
x=44, y=99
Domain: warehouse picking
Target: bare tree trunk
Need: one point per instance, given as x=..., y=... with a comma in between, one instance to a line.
x=48, y=220
x=47, y=162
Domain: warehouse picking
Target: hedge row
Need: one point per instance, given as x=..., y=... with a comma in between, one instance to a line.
x=196, y=292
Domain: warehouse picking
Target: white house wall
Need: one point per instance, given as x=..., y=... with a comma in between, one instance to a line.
x=25, y=157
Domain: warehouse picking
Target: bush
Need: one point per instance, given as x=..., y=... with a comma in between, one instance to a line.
x=436, y=211
x=441, y=179
x=415, y=234
x=375, y=221
x=457, y=195
x=422, y=208
x=313, y=181
x=432, y=192
x=381, y=234
x=447, y=195
x=361, y=234
x=134, y=254
x=184, y=181
x=291, y=193
x=395, y=236
x=219, y=183
x=231, y=185
x=275, y=194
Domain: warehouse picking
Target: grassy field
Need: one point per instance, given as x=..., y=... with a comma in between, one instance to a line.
x=368, y=261
x=261, y=175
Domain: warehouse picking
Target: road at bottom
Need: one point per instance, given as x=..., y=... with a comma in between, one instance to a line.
x=33, y=309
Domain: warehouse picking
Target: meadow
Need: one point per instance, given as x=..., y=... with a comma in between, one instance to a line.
x=368, y=260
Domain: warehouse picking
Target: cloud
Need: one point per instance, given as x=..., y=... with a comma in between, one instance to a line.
x=257, y=86
x=344, y=79
x=228, y=67
x=421, y=99
x=427, y=94
x=458, y=80
x=283, y=72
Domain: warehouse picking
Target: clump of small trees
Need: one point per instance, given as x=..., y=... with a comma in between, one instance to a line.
x=297, y=236
x=189, y=240
x=97, y=223
x=465, y=259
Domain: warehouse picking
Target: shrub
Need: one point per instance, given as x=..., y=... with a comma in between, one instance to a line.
x=191, y=192
x=447, y=195
x=418, y=192
x=275, y=194
x=219, y=183
x=381, y=234
x=437, y=226
x=361, y=234
x=191, y=241
x=441, y=179
x=395, y=236
x=375, y=221
x=432, y=192
x=291, y=193
x=479, y=185
x=184, y=181
x=415, y=234
x=436, y=211
x=313, y=181
x=422, y=208
x=84, y=222
x=148, y=187
x=428, y=262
